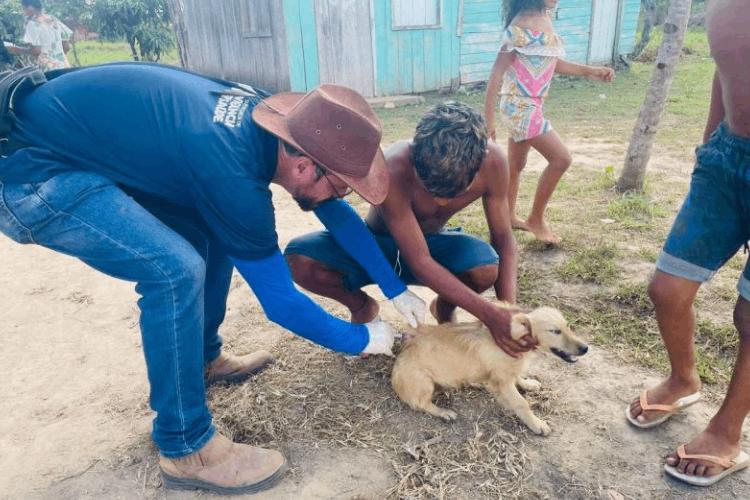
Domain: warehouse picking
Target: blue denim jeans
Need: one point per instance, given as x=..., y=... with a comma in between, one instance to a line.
x=180, y=271
x=714, y=221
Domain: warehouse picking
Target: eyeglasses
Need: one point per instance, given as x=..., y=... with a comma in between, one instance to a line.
x=347, y=191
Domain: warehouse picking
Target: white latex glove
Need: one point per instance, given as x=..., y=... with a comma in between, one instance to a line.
x=381, y=338
x=411, y=307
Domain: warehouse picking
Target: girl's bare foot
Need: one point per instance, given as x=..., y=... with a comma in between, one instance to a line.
x=367, y=312
x=442, y=311
x=518, y=223
x=542, y=232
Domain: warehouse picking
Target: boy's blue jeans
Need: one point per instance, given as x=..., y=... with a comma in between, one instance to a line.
x=180, y=271
x=714, y=221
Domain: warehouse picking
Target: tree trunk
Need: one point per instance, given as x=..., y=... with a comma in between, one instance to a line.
x=75, y=54
x=649, y=21
x=133, y=51
x=177, y=13
x=644, y=133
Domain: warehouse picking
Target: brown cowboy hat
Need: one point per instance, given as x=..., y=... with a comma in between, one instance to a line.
x=337, y=129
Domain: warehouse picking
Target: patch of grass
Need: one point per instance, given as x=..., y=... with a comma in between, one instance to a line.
x=695, y=46
x=471, y=220
x=531, y=286
x=716, y=348
x=738, y=262
x=93, y=52
x=625, y=321
x=606, y=178
x=634, y=211
x=634, y=336
x=596, y=264
x=648, y=254
x=634, y=296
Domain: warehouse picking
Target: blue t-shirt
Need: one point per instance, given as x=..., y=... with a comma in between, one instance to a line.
x=159, y=131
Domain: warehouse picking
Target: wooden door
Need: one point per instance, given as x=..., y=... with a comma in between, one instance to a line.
x=604, y=31
x=344, y=32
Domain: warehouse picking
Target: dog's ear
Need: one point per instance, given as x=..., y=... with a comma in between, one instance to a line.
x=524, y=322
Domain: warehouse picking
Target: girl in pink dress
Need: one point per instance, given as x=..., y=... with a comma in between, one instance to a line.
x=530, y=54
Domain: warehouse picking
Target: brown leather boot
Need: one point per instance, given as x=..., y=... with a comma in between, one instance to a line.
x=224, y=467
x=231, y=369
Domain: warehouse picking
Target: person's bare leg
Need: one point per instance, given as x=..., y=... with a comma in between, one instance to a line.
x=518, y=153
x=673, y=299
x=558, y=157
x=478, y=279
x=316, y=277
x=723, y=435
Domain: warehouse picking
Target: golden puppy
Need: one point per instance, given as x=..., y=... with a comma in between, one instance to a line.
x=453, y=355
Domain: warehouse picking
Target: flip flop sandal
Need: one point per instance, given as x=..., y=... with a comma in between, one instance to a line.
x=731, y=465
x=668, y=410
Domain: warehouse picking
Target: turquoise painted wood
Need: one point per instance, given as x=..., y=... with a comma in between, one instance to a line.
x=603, y=31
x=573, y=24
x=418, y=60
x=415, y=60
x=302, y=44
x=482, y=32
x=573, y=21
x=631, y=11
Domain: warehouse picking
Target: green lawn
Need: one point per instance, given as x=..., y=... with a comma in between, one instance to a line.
x=96, y=52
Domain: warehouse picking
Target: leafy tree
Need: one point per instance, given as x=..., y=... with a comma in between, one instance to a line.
x=11, y=20
x=144, y=24
x=11, y=30
x=74, y=13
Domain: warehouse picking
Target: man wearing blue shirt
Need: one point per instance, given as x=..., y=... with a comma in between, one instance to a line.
x=161, y=177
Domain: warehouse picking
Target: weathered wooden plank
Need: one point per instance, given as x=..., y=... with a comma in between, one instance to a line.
x=603, y=31
x=472, y=38
x=478, y=57
x=631, y=12
x=296, y=54
x=481, y=8
x=413, y=13
x=477, y=48
x=345, y=44
x=229, y=39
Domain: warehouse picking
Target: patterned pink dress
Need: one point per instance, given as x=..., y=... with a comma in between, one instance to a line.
x=526, y=83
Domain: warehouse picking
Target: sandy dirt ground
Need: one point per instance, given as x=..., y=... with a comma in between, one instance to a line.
x=75, y=421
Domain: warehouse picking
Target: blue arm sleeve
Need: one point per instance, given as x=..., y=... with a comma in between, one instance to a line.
x=350, y=231
x=272, y=283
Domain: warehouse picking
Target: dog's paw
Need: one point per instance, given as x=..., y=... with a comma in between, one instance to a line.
x=540, y=427
x=529, y=384
x=448, y=415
